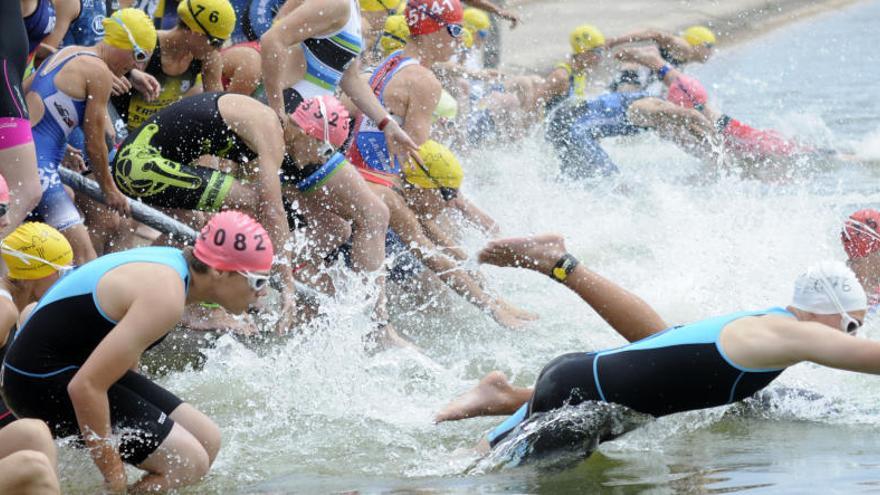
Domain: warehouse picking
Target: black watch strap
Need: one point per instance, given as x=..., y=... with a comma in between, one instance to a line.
x=563, y=268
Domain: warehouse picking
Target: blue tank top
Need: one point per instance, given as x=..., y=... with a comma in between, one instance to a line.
x=87, y=29
x=39, y=24
x=68, y=323
x=370, y=149
x=62, y=113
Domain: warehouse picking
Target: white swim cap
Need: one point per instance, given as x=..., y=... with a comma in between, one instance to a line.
x=828, y=288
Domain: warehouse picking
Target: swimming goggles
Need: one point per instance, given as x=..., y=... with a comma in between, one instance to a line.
x=256, y=281
x=454, y=30
x=27, y=258
x=327, y=149
x=4, y=207
x=847, y=323
x=140, y=55
x=212, y=40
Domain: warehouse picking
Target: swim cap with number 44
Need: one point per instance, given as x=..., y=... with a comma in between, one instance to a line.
x=233, y=241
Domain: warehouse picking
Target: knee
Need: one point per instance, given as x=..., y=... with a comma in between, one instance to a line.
x=211, y=440
x=377, y=216
x=32, y=434
x=34, y=472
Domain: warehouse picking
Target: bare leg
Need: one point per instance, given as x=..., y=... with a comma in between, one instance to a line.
x=180, y=460
x=27, y=459
x=201, y=426
x=79, y=239
x=18, y=165
x=627, y=313
x=493, y=396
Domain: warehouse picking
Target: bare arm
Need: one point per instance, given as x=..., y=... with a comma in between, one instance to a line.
x=494, y=9
x=475, y=215
x=821, y=344
x=118, y=352
x=98, y=87
x=311, y=18
x=212, y=71
x=65, y=13
x=8, y=318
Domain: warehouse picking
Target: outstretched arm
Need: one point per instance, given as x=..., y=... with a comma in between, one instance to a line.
x=626, y=312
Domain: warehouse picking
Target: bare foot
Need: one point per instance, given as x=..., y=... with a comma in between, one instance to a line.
x=538, y=253
x=491, y=397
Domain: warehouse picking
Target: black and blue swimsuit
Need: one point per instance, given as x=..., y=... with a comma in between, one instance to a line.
x=679, y=369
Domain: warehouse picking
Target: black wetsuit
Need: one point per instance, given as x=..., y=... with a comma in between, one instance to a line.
x=13, y=59
x=679, y=369
x=63, y=330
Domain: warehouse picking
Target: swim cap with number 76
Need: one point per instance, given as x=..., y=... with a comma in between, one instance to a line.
x=233, y=241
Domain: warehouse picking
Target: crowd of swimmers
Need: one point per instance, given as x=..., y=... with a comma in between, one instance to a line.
x=259, y=123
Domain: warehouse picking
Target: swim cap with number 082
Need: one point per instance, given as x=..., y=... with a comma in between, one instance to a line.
x=233, y=241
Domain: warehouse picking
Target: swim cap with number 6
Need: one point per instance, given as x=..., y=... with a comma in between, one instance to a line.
x=215, y=18
x=233, y=241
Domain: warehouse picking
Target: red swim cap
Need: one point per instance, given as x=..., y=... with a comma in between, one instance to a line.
x=4, y=191
x=429, y=16
x=233, y=241
x=860, y=235
x=310, y=117
x=687, y=92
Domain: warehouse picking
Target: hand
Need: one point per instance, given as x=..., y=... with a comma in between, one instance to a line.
x=146, y=84
x=510, y=16
x=288, y=309
x=121, y=86
x=399, y=142
x=117, y=201
x=73, y=160
x=119, y=484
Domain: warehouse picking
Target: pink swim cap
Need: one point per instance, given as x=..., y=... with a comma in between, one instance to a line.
x=310, y=117
x=4, y=191
x=687, y=92
x=233, y=241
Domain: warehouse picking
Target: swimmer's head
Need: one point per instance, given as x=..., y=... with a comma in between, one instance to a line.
x=388, y=6
x=587, y=44
x=830, y=293
x=477, y=22
x=395, y=35
x=438, y=22
x=214, y=19
x=36, y=251
x=861, y=234
x=325, y=120
x=441, y=173
x=686, y=91
x=239, y=252
x=447, y=107
x=131, y=32
x=702, y=41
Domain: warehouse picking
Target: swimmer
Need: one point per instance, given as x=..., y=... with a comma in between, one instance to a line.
x=569, y=78
x=727, y=358
x=18, y=158
x=39, y=19
x=67, y=13
x=184, y=54
x=405, y=84
x=71, y=363
x=860, y=237
x=36, y=256
x=28, y=459
x=156, y=165
x=72, y=89
x=311, y=50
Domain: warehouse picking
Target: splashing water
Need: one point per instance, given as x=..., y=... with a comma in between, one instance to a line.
x=316, y=414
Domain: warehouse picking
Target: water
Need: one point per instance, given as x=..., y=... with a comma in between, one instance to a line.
x=314, y=414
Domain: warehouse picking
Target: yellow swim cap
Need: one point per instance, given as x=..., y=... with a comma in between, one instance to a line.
x=476, y=19
x=698, y=35
x=395, y=35
x=35, y=250
x=442, y=168
x=585, y=38
x=139, y=25
x=213, y=18
x=467, y=38
x=380, y=5
x=447, y=107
